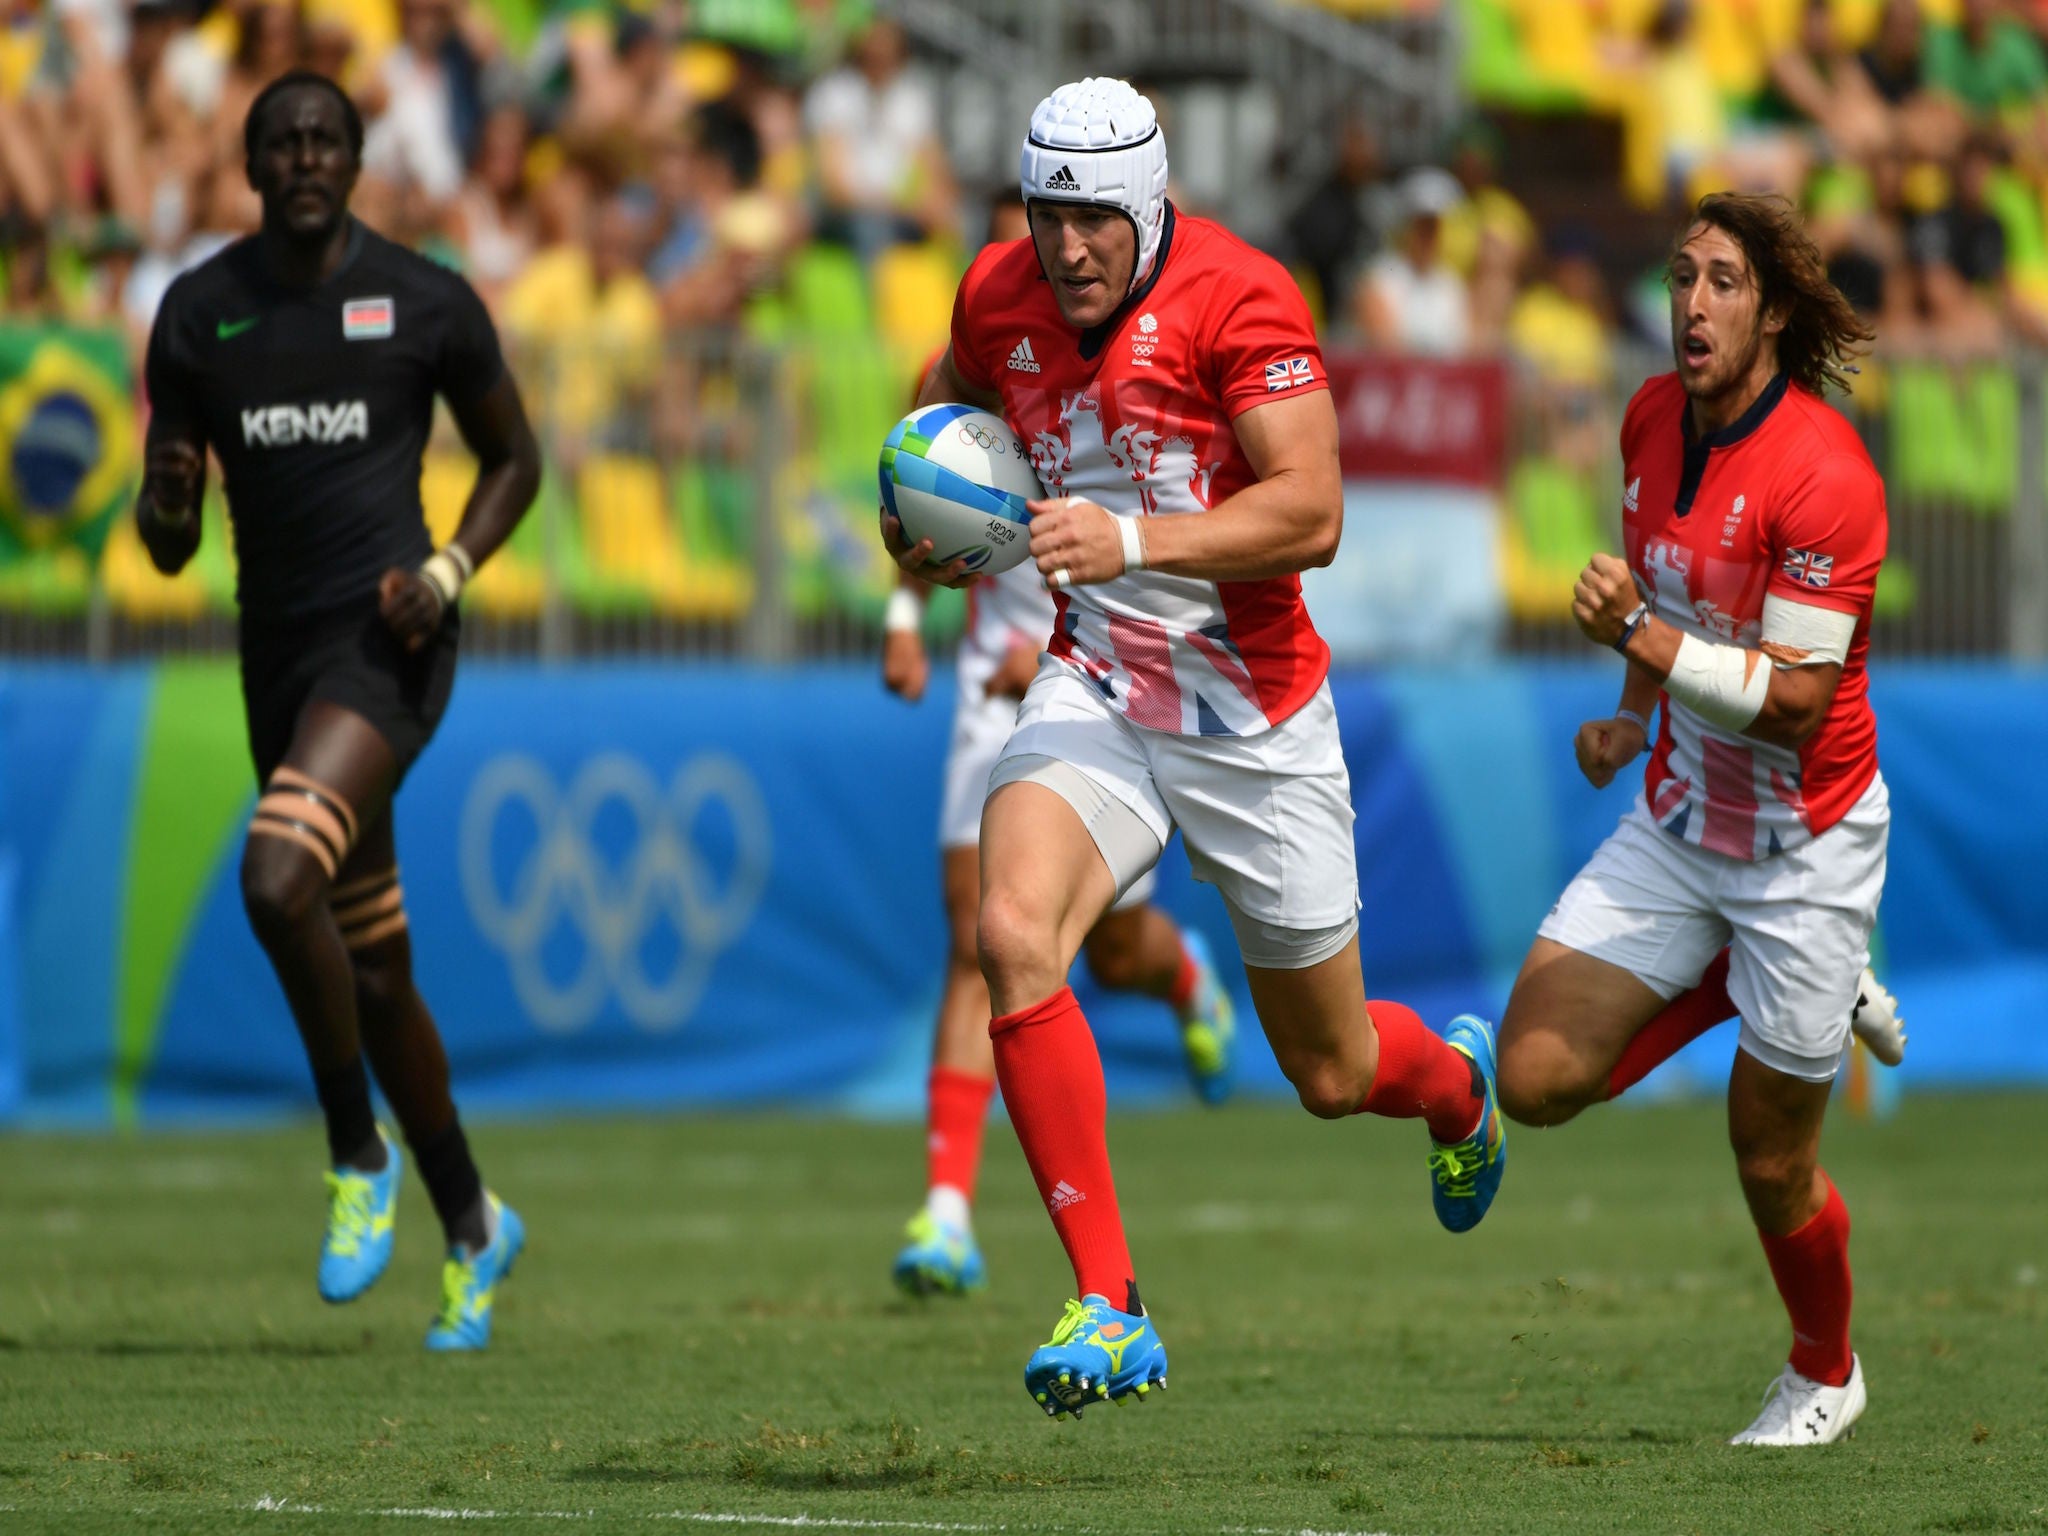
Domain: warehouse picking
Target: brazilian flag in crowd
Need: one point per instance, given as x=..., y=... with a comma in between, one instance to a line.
x=68, y=451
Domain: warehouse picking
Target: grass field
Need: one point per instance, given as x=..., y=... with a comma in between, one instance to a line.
x=701, y=1332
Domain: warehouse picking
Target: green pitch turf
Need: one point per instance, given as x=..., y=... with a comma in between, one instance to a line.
x=701, y=1334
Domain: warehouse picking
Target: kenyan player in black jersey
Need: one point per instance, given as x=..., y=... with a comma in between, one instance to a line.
x=307, y=358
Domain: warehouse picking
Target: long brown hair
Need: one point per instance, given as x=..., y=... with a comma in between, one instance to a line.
x=1823, y=334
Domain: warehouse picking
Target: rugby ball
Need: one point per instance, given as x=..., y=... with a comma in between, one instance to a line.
x=958, y=475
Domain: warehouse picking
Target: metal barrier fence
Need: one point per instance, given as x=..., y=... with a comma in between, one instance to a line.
x=714, y=497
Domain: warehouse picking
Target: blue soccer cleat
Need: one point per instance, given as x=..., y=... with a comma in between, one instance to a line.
x=1208, y=1027
x=361, y=1210
x=469, y=1284
x=939, y=1258
x=1465, y=1175
x=1096, y=1354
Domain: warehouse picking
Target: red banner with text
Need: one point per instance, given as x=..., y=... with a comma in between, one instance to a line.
x=1419, y=418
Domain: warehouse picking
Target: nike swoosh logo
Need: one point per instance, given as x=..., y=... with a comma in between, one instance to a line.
x=227, y=329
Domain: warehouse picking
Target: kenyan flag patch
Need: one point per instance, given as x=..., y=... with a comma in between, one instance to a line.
x=368, y=319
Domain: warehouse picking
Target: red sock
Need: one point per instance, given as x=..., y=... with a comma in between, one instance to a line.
x=956, y=1108
x=1811, y=1267
x=1420, y=1076
x=1684, y=1019
x=1182, y=994
x=1052, y=1085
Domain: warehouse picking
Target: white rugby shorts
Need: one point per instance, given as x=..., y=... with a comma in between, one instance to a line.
x=1266, y=818
x=981, y=725
x=1797, y=925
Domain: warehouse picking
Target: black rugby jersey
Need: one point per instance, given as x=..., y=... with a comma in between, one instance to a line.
x=318, y=404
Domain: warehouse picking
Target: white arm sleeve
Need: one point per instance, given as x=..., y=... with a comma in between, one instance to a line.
x=1822, y=633
x=1724, y=685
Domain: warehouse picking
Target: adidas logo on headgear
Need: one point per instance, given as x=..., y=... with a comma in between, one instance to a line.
x=1108, y=127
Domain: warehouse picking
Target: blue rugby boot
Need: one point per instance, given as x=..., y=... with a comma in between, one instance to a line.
x=1465, y=1175
x=1096, y=1354
x=361, y=1210
x=939, y=1257
x=469, y=1283
x=1208, y=1026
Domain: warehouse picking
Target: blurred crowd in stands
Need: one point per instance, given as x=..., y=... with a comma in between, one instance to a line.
x=616, y=175
x=1913, y=132
x=594, y=170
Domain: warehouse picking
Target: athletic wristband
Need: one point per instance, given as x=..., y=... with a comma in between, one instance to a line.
x=1628, y=714
x=447, y=570
x=1134, y=542
x=1634, y=622
x=905, y=613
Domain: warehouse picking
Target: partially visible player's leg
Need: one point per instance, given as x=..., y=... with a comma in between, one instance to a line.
x=399, y=1036
x=1625, y=949
x=1774, y=1122
x=1569, y=1021
x=337, y=771
x=1675, y=1026
x=1802, y=924
x=1138, y=948
x=1056, y=847
x=1043, y=885
x=940, y=1253
x=1347, y=1055
x=1874, y=1019
x=1268, y=821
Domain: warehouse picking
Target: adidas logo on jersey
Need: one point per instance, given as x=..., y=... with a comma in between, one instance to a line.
x=1021, y=358
x=1063, y=1195
x=1062, y=180
x=284, y=426
x=1628, y=497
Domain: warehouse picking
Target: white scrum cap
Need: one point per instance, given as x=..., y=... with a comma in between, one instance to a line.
x=1098, y=141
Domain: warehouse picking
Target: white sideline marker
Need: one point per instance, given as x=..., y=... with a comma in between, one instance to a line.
x=268, y=1505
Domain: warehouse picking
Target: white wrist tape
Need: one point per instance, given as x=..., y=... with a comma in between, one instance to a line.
x=1724, y=685
x=1823, y=634
x=904, y=614
x=447, y=571
x=1134, y=542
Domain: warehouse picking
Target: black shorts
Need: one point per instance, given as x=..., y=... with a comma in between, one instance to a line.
x=350, y=658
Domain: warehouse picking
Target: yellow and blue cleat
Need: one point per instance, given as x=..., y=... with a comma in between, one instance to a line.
x=938, y=1258
x=1465, y=1175
x=469, y=1283
x=1208, y=1027
x=361, y=1211
x=1096, y=1354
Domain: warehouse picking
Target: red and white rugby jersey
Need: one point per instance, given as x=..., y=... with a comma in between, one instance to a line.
x=1135, y=416
x=1783, y=501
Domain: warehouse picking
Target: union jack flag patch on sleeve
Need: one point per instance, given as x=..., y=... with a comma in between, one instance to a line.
x=1289, y=372
x=1808, y=568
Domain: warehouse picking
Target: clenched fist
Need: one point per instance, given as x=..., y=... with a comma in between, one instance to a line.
x=1604, y=598
x=1605, y=747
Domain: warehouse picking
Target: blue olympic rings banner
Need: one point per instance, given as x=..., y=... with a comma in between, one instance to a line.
x=641, y=885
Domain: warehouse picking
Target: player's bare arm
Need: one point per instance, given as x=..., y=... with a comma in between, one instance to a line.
x=1778, y=693
x=941, y=386
x=496, y=431
x=173, y=484
x=1286, y=522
